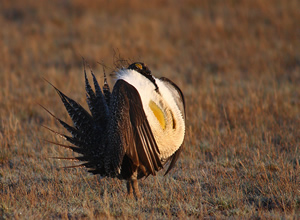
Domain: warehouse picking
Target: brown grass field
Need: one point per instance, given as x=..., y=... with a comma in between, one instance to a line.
x=238, y=65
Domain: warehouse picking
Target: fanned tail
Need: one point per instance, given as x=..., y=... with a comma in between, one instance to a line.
x=88, y=130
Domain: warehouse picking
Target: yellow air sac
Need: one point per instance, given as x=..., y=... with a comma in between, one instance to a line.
x=158, y=114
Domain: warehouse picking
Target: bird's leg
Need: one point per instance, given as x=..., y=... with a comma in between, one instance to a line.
x=135, y=186
x=136, y=190
x=129, y=188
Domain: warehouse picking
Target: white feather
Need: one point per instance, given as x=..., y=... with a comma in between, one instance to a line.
x=169, y=139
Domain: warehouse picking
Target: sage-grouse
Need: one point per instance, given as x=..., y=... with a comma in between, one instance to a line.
x=130, y=132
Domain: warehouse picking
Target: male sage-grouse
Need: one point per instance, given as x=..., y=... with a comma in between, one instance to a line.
x=132, y=131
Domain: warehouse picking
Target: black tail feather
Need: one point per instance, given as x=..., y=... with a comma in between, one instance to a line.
x=80, y=117
x=55, y=132
x=96, y=102
x=75, y=149
x=74, y=132
x=88, y=130
x=68, y=138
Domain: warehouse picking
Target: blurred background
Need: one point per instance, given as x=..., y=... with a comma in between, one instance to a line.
x=237, y=63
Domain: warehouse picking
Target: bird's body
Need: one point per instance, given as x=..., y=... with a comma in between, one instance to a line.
x=133, y=130
x=161, y=109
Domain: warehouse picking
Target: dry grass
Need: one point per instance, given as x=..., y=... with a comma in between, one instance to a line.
x=238, y=64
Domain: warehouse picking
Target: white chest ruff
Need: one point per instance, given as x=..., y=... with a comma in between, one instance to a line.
x=164, y=116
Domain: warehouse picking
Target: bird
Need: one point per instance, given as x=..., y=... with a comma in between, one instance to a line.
x=130, y=132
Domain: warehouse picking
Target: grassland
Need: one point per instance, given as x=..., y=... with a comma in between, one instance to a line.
x=238, y=64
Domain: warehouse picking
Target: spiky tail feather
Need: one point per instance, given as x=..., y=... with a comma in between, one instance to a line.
x=88, y=130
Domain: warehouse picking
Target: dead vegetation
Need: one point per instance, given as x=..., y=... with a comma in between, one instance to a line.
x=238, y=64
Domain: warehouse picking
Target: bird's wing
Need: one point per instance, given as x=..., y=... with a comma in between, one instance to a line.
x=179, y=99
x=137, y=140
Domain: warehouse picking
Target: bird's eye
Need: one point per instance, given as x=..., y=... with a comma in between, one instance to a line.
x=139, y=66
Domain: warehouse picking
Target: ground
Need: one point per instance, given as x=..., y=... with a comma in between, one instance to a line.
x=238, y=65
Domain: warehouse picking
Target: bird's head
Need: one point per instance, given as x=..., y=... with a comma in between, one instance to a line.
x=141, y=68
x=144, y=70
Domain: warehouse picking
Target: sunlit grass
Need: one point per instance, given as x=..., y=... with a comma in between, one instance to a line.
x=238, y=65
